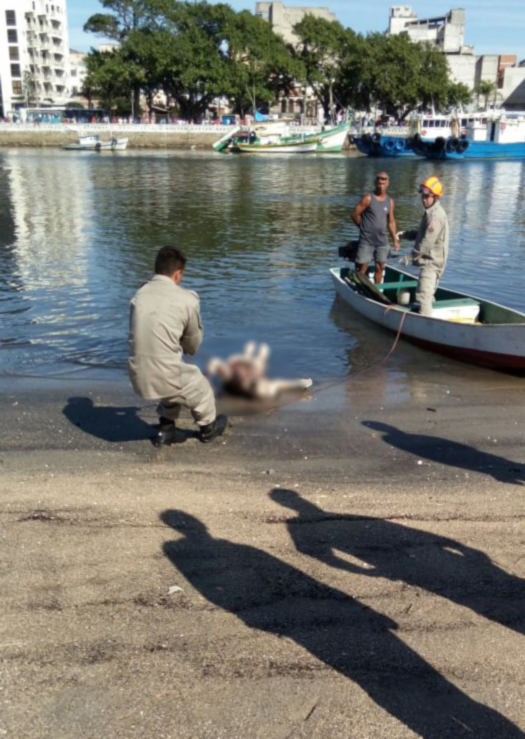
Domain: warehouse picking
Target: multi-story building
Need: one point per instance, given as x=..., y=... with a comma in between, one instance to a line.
x=77, y=71
x=34, y=54
x=447, y=33
x=282, y=19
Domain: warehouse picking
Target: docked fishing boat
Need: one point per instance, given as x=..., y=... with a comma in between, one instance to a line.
x=292, y=147
x=461, y=326
x=377, y=145
x=278, y=132
x=502, y=138
x=95, y=143
x=422, y=128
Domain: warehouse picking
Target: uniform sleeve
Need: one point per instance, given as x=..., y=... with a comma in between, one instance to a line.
x=432, y=233
x=192, y=336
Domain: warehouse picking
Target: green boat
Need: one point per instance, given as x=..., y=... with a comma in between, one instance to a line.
x=331, y=140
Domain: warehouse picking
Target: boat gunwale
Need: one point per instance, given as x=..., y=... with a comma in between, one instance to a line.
x=336, y=272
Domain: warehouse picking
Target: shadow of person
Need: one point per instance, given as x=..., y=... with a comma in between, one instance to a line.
x=273, y=596
x=112, y=423
x=386, y=549
x=451, y=453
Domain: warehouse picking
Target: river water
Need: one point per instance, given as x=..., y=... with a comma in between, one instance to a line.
x=79, y=232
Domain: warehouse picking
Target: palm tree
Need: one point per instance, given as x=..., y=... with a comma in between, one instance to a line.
x=488, y=90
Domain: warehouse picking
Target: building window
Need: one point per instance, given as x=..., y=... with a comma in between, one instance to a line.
x=17, y=87
x=10, y=17
x=15, y=70
x=12, y=36
x=34, y=6
x=14, y=54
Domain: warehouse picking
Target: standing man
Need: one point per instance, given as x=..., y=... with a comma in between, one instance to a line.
x=431, y=250
x=165, y=322
x=374, y=215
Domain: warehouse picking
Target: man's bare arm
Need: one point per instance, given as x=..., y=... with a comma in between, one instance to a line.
x=360, y=208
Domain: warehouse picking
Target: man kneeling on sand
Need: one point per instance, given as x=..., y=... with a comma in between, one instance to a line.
x=165, y=322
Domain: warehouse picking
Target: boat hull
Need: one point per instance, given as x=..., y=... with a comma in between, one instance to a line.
x=87, y=144
x=384, y=146
x=261, y=149
x=495, y=346
x=464, y=150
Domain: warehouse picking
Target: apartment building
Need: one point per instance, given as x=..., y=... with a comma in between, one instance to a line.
x=34, y=54
x=282, y=18
x=447, y=33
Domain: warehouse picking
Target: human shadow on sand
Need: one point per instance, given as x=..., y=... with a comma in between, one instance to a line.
x=113, y=423
x=359, y=643
x=451, y=453
x=382, y=548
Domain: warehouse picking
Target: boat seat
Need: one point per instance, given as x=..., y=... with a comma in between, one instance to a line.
x=456, y=303
x=397, y=285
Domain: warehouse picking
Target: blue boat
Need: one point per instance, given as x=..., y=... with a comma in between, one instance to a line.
x=376, y=145
x=496, y=139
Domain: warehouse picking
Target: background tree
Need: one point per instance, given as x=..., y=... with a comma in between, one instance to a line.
x=321, y=49
x=487, y=90
x=110, y=78
x=122, y=19
x=458, y=95
x=262, y=67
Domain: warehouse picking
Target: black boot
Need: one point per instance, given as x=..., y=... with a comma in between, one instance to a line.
x=213, y=430
x=166, y=434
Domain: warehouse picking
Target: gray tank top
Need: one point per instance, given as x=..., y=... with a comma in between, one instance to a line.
x=374, y=222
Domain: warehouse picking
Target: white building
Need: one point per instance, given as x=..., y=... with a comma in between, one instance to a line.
x=447, y=33
x=282, y=18
x=34, y=54
x=77, y=71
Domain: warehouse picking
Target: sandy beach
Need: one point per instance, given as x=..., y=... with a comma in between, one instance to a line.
x=349, y=566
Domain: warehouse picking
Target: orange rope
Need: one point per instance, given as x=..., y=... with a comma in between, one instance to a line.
x=343, y=381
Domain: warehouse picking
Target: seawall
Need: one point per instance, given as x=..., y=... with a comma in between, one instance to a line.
x=139, y=136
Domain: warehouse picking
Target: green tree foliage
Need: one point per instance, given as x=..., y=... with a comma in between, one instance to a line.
x=110, y=79
x=196, y=52
x=261, y=65
x=394, y=74
x=123, y=18
x=458, y=95
x=322, y=47
x=488, y=90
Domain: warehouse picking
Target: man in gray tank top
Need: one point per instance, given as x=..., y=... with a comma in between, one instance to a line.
x=375, y=217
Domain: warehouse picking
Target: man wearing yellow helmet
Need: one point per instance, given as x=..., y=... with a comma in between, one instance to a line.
x=431, y=250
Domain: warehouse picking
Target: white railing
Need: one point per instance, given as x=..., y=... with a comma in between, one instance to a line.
x=154, y=128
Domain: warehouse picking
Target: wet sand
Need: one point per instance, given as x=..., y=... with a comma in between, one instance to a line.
x=350, y=566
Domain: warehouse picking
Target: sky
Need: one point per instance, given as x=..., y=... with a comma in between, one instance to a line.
x=493, y=27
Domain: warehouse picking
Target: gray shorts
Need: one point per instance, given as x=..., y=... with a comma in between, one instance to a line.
x=366, y=253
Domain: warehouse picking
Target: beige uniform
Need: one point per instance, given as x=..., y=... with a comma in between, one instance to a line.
x=165, y=322
x=430, y=254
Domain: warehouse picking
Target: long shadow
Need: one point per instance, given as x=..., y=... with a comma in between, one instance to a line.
x=112, y=423
x=451, y=453
x=273, y=596
x=386, y=549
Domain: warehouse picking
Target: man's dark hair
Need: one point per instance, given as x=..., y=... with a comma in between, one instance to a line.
x=169, y=260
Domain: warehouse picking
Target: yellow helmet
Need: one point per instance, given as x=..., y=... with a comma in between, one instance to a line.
x=434, y=185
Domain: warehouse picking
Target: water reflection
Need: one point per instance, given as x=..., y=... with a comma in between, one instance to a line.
x=78, y=235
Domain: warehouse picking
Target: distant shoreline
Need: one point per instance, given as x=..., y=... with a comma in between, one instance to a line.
x=141, y=136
